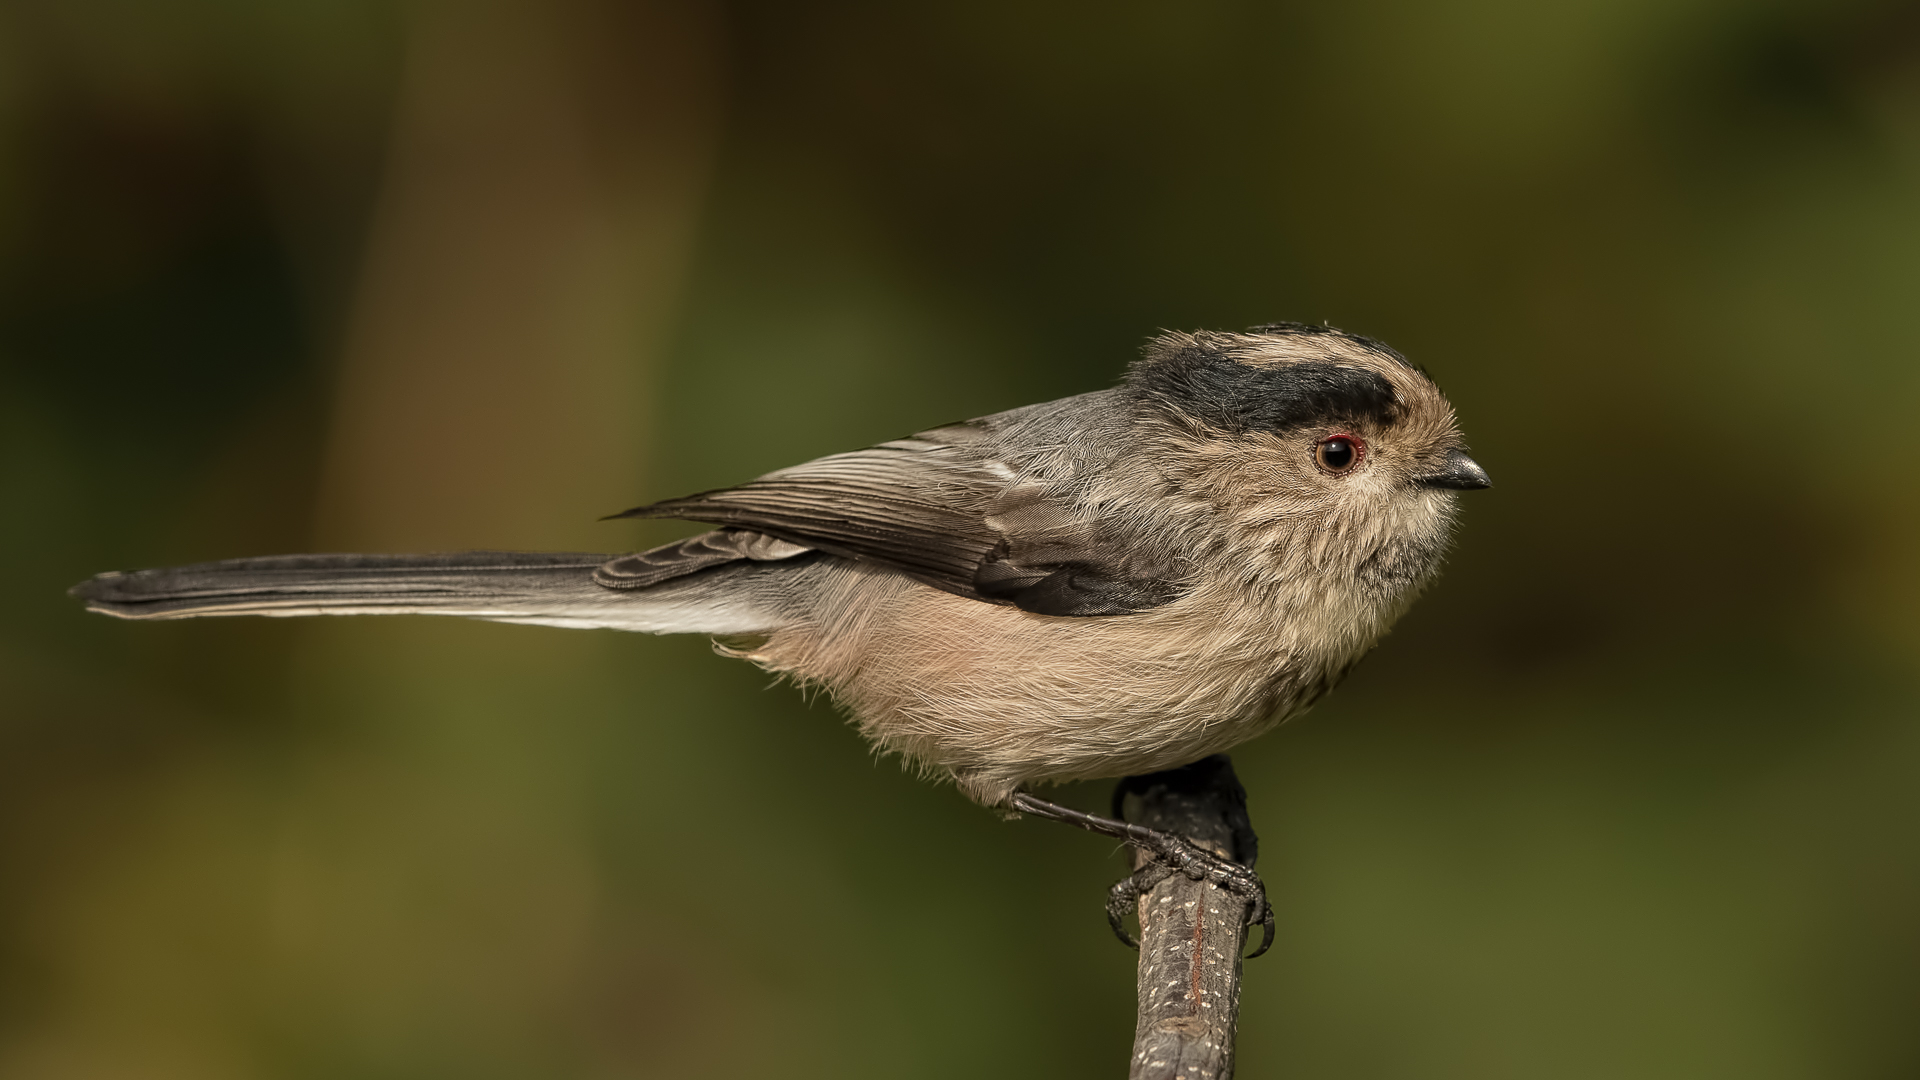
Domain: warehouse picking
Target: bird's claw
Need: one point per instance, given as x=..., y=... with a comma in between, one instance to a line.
x=1126, y=893
x=1170, y=854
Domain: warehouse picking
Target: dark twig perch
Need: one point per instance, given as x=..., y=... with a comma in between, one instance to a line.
x=1191, y=932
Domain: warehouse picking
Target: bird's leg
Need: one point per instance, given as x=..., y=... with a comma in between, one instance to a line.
x=1169, y=853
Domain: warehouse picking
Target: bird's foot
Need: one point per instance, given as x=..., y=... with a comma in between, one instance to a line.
x=1168, y=854
x=1171, y=855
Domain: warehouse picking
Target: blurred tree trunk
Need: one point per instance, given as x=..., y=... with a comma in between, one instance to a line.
x=546, y=171
x=545, y=178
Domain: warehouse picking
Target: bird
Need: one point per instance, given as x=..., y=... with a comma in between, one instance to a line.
x=1110, y=584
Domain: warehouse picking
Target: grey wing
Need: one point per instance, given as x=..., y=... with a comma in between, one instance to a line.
x=941, y=508
x=690, y=556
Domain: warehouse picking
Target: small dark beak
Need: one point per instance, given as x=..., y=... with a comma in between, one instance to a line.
x=1457, y=471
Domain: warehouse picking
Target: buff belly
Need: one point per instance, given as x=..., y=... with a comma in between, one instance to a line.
x=1001, y=698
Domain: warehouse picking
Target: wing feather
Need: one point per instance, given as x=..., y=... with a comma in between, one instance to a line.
x=940, y=507
x=645, y=569
x=916, y=505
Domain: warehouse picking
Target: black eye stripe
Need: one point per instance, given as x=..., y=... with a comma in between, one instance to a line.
x=1213, y=387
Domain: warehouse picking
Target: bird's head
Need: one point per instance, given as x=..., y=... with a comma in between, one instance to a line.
x=1329, y=446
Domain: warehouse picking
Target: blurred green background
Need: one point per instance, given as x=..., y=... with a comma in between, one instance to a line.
x=1634, y=792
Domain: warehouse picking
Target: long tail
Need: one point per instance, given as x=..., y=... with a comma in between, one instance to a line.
x=502, y=586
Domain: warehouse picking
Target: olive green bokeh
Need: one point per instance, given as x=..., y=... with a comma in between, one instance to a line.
x=1634, y=792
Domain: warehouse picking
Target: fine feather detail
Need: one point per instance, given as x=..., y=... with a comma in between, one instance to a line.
x=645, y=569
x=938, y=507
x=500, y=586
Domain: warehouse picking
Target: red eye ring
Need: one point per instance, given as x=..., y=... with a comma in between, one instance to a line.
x=1339, y=454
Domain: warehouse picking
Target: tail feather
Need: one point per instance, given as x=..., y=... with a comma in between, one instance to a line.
x=542, y=588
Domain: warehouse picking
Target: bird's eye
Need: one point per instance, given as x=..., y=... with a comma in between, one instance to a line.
x=1339, y=453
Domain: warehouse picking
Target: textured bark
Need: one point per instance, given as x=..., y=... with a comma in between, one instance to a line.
x=1191, y=932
